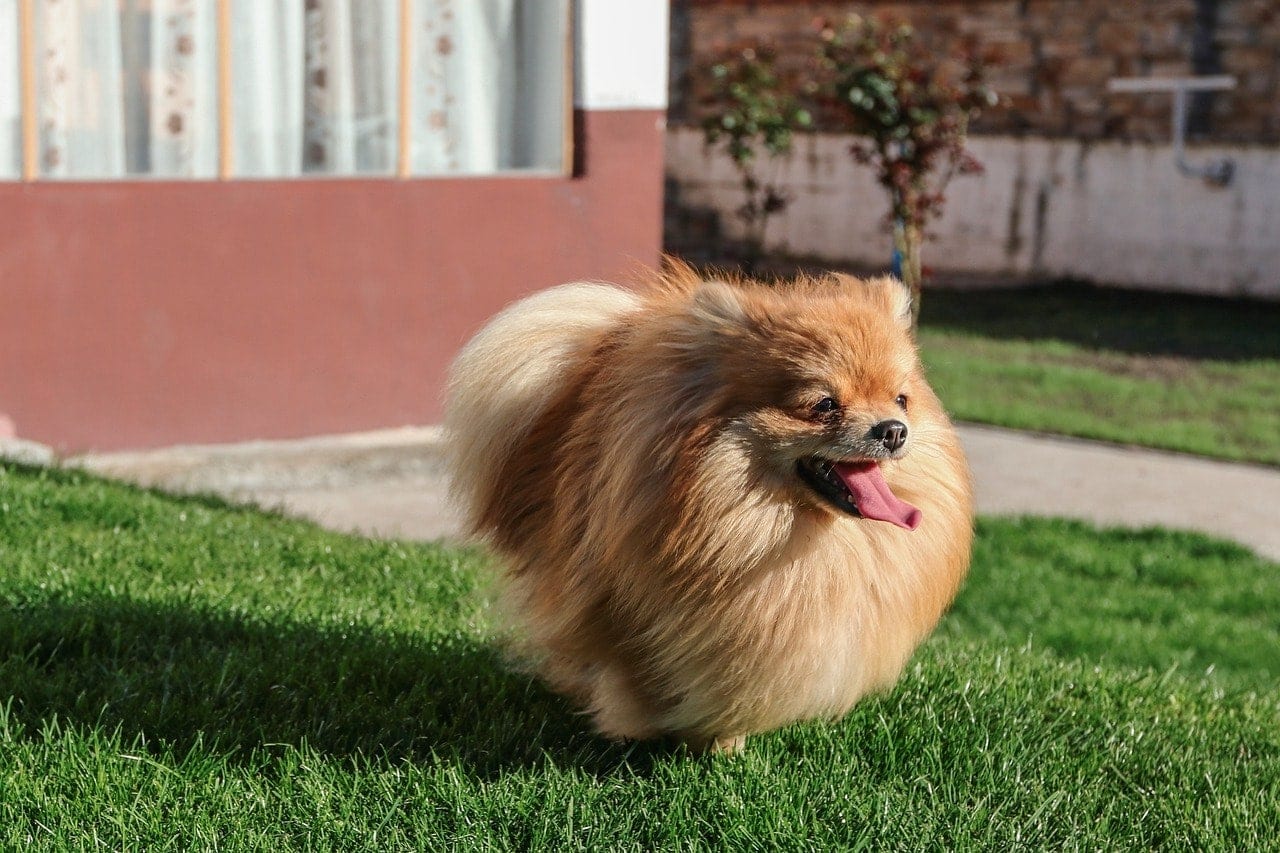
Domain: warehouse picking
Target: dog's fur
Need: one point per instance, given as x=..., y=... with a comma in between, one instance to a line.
x=632, y=457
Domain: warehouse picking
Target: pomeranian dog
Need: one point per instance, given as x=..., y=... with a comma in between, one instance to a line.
x=722, y=506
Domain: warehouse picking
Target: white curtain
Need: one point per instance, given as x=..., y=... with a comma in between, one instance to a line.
x=10, y=98
x=267, y=75
x=129, y=87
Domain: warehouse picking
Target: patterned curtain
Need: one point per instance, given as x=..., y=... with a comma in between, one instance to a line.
x=183, y=93
x=350, y=123
x=488, y=85
x=78, y=88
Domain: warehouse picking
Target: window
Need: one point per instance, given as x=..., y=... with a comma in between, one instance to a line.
x=99, y=89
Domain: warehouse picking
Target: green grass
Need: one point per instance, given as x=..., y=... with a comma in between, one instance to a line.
x=1183, y=373
x=179, y=674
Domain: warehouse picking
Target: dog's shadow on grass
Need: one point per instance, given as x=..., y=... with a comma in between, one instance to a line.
x=181, y=677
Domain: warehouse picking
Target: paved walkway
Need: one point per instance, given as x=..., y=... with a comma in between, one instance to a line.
x=390, y=483
x=1048, y=475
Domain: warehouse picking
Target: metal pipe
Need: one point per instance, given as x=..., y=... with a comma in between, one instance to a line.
x=1216, y=172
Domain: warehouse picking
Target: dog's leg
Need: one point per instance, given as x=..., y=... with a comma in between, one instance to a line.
x=618, y=710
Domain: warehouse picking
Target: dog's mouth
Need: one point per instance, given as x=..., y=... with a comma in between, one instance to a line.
x=858, y=489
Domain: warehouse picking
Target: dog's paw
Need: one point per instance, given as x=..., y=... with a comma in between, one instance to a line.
x=723, y=745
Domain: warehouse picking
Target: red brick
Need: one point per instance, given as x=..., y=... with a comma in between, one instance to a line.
x=1059, y=55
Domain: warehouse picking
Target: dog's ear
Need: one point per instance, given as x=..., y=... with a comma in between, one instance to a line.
x=886, y=291
x=899, y=301
x=717, y=307
x=897, y=298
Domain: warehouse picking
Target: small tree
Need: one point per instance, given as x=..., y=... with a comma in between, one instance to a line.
x=910, y=109
x=747, y=109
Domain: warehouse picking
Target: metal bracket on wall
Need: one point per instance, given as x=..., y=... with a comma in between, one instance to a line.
x=1216, y=172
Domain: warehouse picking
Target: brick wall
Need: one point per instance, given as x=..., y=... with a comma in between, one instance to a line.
x=1058, y=56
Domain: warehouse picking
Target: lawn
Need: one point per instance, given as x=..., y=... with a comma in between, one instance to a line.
x=1185, y=373
x=180, y=674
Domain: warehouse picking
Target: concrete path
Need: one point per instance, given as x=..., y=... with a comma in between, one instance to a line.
x=387, y=483
x=390, y=483
x=1022, y=473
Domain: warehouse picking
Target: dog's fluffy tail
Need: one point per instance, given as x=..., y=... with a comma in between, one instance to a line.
x=510, y=372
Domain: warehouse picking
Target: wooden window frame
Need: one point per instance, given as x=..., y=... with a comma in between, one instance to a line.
x=27, y=82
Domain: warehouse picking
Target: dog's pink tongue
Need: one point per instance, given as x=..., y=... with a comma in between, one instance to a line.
x=871, y=493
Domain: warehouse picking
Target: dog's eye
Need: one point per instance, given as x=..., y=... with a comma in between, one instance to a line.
x=825, y=405
x=901, y=400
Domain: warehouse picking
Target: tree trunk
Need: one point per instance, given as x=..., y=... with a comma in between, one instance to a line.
x=907, y=239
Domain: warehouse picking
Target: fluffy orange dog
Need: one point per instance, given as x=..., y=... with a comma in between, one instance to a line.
x=723, y=506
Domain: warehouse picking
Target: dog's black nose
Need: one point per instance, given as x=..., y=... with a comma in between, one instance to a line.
x=892, y=434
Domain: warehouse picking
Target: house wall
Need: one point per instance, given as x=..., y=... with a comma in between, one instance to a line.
x=1079, y=182
x=137, y=314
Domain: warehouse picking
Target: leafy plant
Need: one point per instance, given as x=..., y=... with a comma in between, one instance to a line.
x=748, y=109
x=909, y=108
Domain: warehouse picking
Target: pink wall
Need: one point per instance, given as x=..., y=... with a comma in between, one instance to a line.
x=143, y=314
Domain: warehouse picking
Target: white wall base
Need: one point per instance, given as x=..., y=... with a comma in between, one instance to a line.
x=1107, y=212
